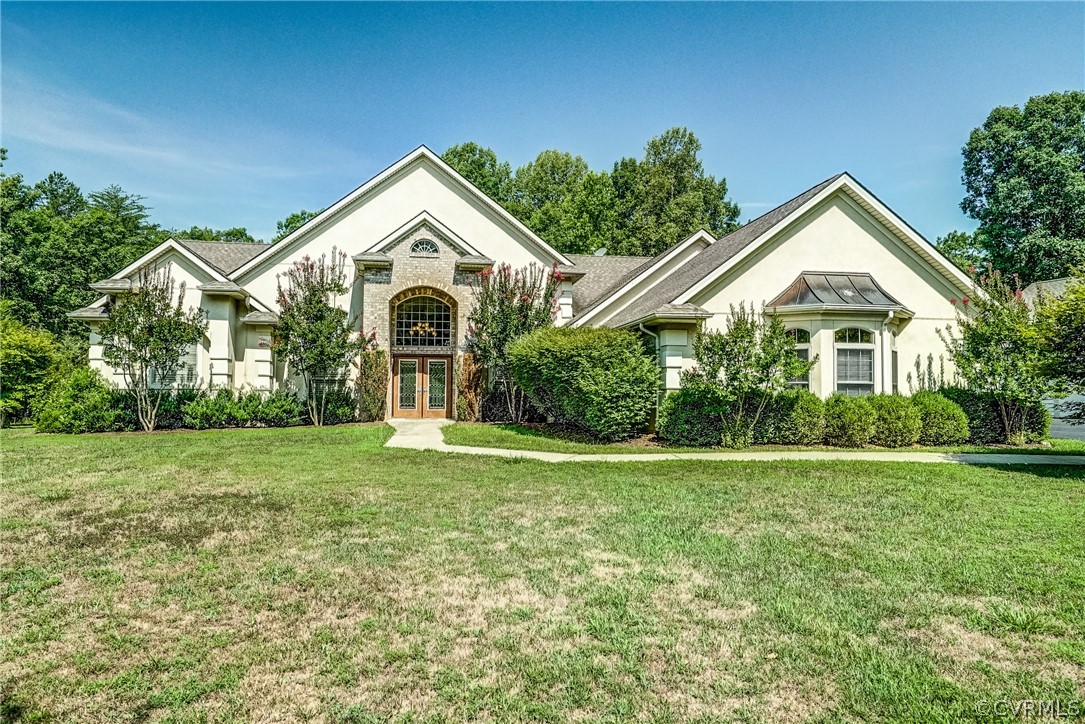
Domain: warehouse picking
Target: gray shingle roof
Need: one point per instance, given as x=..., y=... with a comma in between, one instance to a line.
x=225, y=256
x=701, y=265
x=601, y=274
x=1051, y=287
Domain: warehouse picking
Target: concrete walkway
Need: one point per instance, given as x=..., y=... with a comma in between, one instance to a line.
x=427, y=435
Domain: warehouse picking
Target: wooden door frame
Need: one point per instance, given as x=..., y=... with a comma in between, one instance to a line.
x=421, y=408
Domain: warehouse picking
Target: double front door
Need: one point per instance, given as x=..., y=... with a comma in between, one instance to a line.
x=421, y=386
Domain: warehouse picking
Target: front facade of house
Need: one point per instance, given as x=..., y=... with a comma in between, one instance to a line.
x=855, y=284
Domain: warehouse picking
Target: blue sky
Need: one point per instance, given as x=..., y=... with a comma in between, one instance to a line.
x=238, y=114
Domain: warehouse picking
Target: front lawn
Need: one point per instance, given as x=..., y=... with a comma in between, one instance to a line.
x=311, y=574
x=552, y=438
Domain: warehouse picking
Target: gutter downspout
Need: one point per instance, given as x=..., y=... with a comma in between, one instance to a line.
x=655, y=337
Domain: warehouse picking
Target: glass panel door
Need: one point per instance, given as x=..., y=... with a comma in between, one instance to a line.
x=438, y=374
x=408, y=384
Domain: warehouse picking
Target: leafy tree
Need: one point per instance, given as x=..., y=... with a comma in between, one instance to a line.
x=28, y=359
x=749, y=362
x=480, y=166
x=998, y=350
x=314, y=335
x=49, y=254
x=960, y=248
x=292, y=223
x=60, y=196
x=1061, y=322
x=1024, y=176
x=146, y=335
x=205, y=233
x=668, y=196
x=507, y=305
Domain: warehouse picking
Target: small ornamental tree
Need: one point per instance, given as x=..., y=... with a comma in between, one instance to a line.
x=507, y=305
x=146, y=335
x=314, y=336
x=749, y=362
x=998, y=350
x=1062, y=336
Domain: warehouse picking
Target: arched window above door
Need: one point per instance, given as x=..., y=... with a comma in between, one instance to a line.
x=423, y=322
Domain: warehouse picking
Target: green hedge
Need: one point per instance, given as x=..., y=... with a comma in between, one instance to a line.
x=594, y=378
x=83, y=402
x=690, y=416
x=794, y=417
x=985, y=423
x=896, y=421
x=849, y=421
x=942, y=421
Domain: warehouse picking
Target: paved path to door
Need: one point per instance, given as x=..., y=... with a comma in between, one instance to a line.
x=427, y=435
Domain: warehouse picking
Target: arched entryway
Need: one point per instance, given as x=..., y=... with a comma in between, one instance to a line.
x=423, y=335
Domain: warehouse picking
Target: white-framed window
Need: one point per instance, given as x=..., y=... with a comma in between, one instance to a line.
x=801, y=337
x=854, y=361
x=186, y=374
x=425, y=248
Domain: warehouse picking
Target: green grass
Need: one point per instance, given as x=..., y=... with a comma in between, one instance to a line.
x=554, y=439
x=302, y=574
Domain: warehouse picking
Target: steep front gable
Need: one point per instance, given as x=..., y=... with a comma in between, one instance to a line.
x=418, y=187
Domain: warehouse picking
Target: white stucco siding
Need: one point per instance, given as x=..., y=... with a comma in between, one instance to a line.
x=839, y=236
x=419, y=187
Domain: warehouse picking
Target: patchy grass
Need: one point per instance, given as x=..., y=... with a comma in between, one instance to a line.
x=552, y=438
x=304, y=574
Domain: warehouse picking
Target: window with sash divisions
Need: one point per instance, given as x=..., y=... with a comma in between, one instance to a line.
x=855, y=361
x=186, y=374
x=801, y=337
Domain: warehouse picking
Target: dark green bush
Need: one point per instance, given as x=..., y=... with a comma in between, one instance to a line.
x=985, y=421
x=80, y=403
x=689, y=416
x=896, y=422
x=279, y=409
x=246, y=408
x=849, y=421
x=211, y=411
x=171, y=410
x=794, y=417
x=340, y=406
x=943, y=422
x=594, y=378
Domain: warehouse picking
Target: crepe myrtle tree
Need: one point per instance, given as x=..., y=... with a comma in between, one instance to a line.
x=998, y=349
x=509, y=303
x=749, y=362
x=314, y=336
x=147, y=334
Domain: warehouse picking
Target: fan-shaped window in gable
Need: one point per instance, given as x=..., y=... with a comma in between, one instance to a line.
x=425, y=248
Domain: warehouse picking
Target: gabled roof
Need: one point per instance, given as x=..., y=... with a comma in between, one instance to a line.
x=425, y=219
x=225, y=256
x=725, y=248
x=637, y=274
x=701, y=271
x=420, y=154
x=1050, y=287
x=601, y=274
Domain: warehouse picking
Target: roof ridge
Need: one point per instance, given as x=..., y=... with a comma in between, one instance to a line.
x=776, y=208
x=221, y=241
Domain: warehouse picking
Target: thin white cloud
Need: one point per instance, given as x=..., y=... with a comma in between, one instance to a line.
x=47, y=116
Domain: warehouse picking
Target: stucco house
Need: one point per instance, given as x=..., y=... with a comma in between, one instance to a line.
x=857, y=285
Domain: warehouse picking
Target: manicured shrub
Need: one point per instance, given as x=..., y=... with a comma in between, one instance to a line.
x=594, y=378
x=171, y=410
x=81, y=403
x=690, y=416
x=985, y=422
x=849, y=421
x=371, y=384
x=211, y=411
x=794, y=417
x=896, y=421
x=279, y=409
x=942, y=421
x=340, y=406
x=246, y=408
